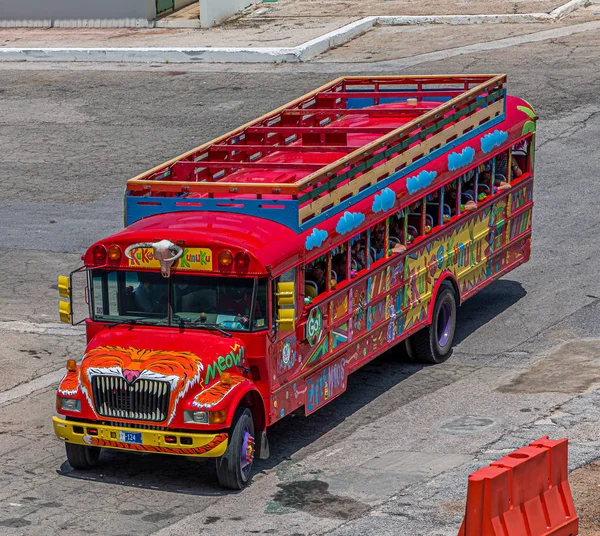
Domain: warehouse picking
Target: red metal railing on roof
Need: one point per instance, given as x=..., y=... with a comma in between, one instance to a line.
x=316, y=123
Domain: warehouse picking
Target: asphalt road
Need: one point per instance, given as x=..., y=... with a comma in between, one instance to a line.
x=392, y=455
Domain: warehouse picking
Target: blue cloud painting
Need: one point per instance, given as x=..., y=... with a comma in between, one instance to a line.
x=316, y=238
x=493, y=139
x=384, y=201
x=422, y=180
x=349, y=221
x=462, y=159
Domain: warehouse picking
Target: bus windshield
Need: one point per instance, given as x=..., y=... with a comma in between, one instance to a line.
x=194, y=301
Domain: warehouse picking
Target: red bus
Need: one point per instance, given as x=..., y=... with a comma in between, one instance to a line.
x=256, y=272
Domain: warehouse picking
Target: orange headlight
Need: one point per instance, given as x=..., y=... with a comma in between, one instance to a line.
x=71, y=365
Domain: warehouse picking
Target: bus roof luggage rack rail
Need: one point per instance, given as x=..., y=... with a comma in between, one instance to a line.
x=265, y=165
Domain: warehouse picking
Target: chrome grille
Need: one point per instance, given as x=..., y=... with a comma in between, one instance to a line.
x=133, y=425
x=144, y=400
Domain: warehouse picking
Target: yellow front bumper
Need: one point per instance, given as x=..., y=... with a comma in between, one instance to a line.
x=207, y=445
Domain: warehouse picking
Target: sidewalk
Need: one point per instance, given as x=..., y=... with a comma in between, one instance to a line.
x=285, y=30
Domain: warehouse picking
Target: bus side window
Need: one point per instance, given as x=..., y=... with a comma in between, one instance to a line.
x=501, y=178
x=434, y=206
x=398, y=232
x=358, y=254
x=416, y=219
x=486, y=181
x=468, y=196
x=519, y=158
x=339, y=264
x=315, y=277
x=451, y=197
x=377, y=241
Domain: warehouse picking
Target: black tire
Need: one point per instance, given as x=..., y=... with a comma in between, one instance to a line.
x=81, y=456
x=229, y=466
x=433, y=344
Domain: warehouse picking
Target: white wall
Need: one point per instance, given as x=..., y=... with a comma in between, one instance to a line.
x=214, y=12
x=77, y=9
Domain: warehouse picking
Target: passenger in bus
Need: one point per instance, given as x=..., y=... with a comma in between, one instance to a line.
x=236, y=302
x=338, y=265
x=147, y=297
x=378, y=239
x=468, y=197
x=502, y=163
x=358, y=257
x=317, y=274
x=396, y=230
x=500, y=180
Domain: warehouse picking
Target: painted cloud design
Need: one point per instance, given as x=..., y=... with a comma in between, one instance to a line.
x=462, y=159
x=493, y=139
x=384, y=201
x=422, y=180
x=315, y=238
x=349, y=221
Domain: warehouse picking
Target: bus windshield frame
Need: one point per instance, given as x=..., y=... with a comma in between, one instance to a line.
x=183, y=300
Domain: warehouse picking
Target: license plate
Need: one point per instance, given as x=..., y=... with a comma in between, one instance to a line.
x=130, y=437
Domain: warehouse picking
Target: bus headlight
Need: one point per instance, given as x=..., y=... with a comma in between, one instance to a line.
x=70, y=404
x=197, y=417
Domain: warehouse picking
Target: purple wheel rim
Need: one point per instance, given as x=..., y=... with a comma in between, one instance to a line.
x=247, y=452
x=444, y=322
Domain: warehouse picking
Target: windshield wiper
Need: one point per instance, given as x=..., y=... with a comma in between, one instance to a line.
x=210, y=327
x=137, y=322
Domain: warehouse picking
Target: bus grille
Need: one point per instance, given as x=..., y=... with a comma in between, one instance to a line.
x=145, y=400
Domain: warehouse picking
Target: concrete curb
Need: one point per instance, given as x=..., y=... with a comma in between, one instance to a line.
x=300, y=53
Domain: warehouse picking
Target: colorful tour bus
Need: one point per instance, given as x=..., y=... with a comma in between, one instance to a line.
x=257, y=271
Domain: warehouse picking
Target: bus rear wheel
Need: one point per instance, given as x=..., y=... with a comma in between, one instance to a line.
x=433, y=344
x=234, y=468
x=82, y=457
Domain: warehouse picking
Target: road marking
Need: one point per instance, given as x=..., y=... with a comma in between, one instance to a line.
x=47, y=328
x=24, y=389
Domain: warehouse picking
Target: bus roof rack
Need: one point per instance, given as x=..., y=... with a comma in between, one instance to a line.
x=312, y=154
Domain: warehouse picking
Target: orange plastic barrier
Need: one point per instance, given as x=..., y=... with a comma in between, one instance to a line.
x=526, y=493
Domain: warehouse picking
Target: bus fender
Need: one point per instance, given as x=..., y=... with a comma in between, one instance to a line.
x=227, y=396
x=446, y=276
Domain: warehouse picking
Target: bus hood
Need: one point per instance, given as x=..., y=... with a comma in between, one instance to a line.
x=183, y=360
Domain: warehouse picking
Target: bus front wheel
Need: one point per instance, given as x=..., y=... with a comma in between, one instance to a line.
x=82, y=457
x=433, y=343
x=234, y=468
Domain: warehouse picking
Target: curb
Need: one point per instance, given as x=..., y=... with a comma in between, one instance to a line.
x=299, y=53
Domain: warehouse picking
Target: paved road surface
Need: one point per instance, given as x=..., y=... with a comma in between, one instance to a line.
x=392, y=455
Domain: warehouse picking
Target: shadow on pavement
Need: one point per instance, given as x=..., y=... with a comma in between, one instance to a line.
x=487, y=305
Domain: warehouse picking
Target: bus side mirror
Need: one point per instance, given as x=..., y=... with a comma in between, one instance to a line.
x=64, y=286
x=286, y=297
x=286, y=320
x=286, y=292
x=64, y=308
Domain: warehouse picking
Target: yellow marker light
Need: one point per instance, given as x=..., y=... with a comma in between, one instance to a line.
x=64, y=308
x=218, y=417
x=225, y=258
x=114, y=253
x=64, y=286
x=71, y=365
